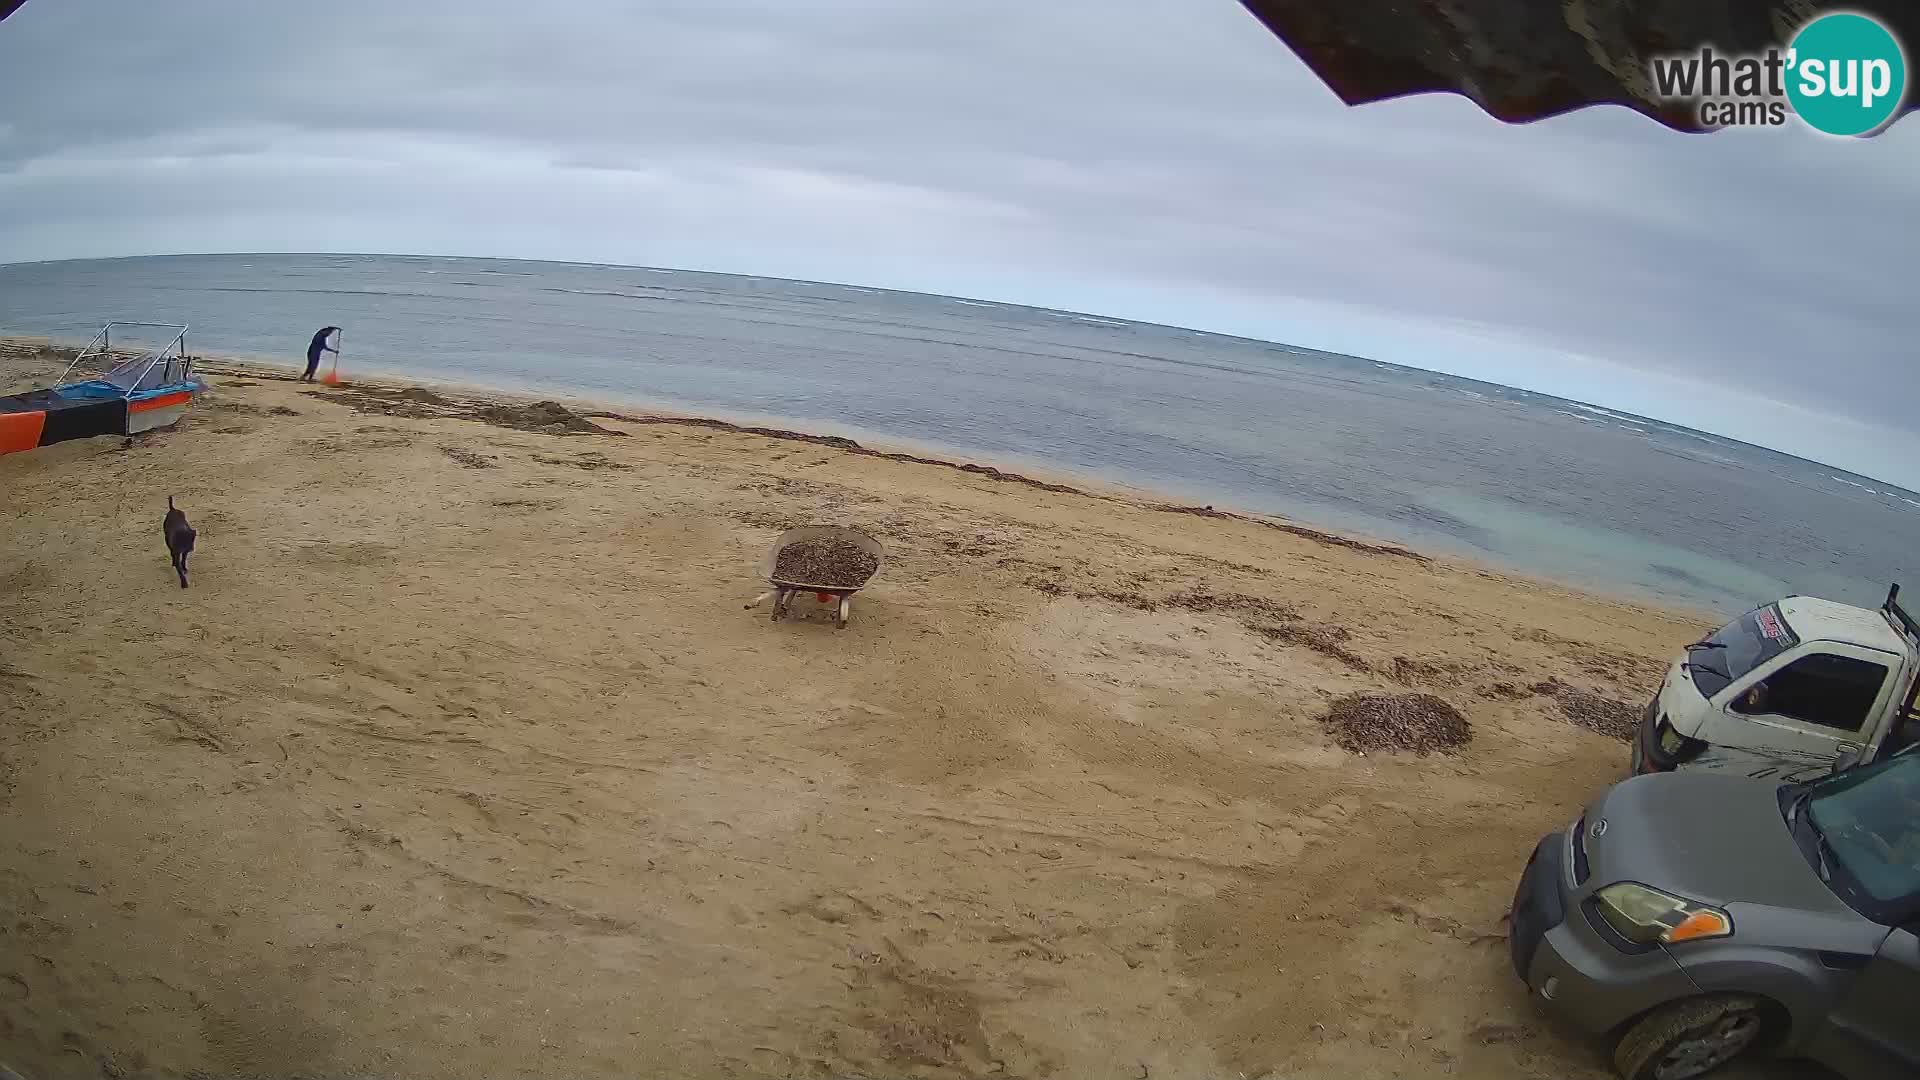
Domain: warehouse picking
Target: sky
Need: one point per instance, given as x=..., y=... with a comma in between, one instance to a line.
x=1165, y=160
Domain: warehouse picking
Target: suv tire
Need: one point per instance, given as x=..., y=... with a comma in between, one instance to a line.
x=1691, y=1038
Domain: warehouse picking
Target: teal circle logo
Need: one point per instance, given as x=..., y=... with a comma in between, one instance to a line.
x=1846, y=74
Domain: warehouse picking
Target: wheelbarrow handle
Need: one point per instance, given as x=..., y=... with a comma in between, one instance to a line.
x=761, y=599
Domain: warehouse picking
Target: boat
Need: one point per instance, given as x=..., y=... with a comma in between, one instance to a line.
x=151, y=388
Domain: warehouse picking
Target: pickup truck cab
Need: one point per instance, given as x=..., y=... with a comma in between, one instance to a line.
x=1798, y=679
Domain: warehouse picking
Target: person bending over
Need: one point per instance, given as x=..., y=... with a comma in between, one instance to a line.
x=314, y=348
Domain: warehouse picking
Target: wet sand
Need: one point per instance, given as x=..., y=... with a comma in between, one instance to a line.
x=462, y=758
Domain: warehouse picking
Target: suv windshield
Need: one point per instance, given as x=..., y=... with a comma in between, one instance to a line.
x=1739, y=647
x=1862, y=831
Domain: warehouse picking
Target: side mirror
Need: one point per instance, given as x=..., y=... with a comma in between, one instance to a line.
x=1847, y=759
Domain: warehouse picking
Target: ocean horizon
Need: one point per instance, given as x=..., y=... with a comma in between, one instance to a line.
x=1566, y=490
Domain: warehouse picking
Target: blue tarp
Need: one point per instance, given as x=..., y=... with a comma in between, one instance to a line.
x=91, y=390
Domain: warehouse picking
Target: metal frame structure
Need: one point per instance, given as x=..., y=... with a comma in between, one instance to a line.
x=1899, y=614
x=172, y=353
x=1902, y=620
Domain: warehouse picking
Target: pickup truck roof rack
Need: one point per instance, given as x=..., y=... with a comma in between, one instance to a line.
x=1898, y=615
x=1904, y=621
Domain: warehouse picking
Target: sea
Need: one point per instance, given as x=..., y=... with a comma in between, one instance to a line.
x=1558, y=489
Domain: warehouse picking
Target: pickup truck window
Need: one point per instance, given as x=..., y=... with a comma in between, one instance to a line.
x=1832, y=691
x=1739, y=647
x=1904, y=734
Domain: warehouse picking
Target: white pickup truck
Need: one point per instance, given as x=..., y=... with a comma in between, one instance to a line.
x=1798, y=680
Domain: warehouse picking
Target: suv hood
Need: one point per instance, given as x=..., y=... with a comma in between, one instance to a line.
x=1708, y=836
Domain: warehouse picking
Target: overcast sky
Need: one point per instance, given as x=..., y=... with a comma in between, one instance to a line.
x=1157, y=159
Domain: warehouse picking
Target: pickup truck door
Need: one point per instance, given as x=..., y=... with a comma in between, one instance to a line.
x=1798, y=714
x=1872, y=1035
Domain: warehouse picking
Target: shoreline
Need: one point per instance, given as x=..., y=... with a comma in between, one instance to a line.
x=472, y=396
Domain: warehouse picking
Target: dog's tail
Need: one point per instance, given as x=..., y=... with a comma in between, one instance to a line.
x=169, y=502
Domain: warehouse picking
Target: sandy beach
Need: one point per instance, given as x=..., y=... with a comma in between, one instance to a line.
x=461, y=758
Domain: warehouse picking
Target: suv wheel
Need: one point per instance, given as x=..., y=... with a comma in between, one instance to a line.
x=1687, y=1039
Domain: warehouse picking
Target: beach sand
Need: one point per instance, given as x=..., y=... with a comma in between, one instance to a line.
x=461, y=758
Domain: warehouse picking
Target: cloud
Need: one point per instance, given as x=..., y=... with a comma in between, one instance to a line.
x=1146, y=158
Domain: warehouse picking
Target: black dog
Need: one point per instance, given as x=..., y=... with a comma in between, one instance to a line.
x=179, y=539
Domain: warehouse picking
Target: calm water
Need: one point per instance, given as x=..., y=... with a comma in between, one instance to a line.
x=1445, y=464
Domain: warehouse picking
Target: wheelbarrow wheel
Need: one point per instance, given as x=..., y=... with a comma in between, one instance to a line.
x=846, y=608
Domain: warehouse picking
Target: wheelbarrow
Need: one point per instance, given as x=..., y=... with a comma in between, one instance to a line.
x=840, y=596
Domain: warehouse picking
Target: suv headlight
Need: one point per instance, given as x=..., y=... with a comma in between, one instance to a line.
x=1648, y=916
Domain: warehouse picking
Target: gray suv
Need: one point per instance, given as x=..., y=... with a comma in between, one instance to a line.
x=1697, y=916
